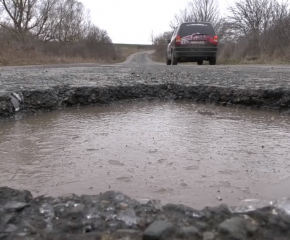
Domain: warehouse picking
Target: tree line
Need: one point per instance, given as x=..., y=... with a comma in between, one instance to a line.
x=58, y=27
x=249, y=30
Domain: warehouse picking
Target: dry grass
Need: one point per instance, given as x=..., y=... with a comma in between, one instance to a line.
x=33, y=56
x=12, y=57
x=158, y=57
x=123, y=51
x=226, y=56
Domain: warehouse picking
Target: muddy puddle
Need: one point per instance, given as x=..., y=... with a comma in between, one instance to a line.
x=178, y=152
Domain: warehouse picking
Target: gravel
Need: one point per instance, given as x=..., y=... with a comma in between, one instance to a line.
x=113, y=215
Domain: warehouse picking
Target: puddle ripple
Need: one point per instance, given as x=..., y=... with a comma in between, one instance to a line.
x=173, y=151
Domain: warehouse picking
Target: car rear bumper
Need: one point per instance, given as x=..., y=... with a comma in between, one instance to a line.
x=195, y=52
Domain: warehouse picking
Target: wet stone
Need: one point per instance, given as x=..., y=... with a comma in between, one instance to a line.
x=128, y=234
x=237, y=228
x=105, y=203
x=10, y=228
x=58, y=218
x=8, y=194
x=180, y=208
x=208, y=236
x=220, y=213
x=6, y=219
x=159, y=230
x=3, y=235
x=128, y=216
x=201, y=226
x=68, y=236
x=15, y=206
x=188, y=232
x=123, y=206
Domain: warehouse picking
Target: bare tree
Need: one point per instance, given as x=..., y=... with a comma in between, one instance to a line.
x=253, y=21
x=70, y=25
x=250, y=16
x=199, y=10
x=278, y=33
x=29, y=17
x=52, y=27
x=96, y=35
x=160, y=42
x=46, y=20
x=18, y=16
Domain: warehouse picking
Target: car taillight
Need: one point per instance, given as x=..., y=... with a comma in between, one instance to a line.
x=214, y=40
x=178, y=40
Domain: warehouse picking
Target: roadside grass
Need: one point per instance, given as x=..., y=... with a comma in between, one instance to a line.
x=133, y=46
x=11, y=56
x=123, y=51
x=159, y=56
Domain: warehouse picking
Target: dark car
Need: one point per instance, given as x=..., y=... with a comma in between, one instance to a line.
x=192, y=42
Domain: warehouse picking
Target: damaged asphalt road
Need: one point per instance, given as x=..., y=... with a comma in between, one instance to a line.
x=54, y=87
x=113, y=215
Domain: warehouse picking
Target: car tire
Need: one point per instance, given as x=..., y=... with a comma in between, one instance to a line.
x=173, y=59
x=200, y=62
x=168, y=61
x=212, y=61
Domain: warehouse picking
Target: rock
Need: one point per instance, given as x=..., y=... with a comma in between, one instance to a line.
x=69, y=236
x=3, y=236
x=15, y=206
x=128, y=234
x=180, y=208
x=219, y=213
x=8, y=194
x=237, y=228
x=159, y=230
x=10, y=228
x=201, y=226
x=188, y=232
x=123, y=206
x=128, y=216
x=120, y=217
x=219, y=198
x=208, y=236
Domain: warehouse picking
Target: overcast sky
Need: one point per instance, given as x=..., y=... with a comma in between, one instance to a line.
x=132, y=21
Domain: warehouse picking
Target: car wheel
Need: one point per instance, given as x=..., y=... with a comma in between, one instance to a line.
x=173, y=59
x=200, y=62
x=212, y=61
x=168, y=61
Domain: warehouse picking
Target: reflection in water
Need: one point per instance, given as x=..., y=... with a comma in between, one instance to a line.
x=173, y=151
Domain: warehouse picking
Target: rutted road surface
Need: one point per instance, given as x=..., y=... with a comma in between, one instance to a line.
x=49, y=87
x=82, y=139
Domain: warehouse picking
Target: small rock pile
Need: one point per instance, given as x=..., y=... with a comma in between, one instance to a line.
x=113, y=215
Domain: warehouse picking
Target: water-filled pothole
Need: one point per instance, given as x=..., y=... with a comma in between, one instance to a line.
x=174, y=151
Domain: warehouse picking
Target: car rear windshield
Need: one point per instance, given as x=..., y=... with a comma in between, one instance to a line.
x=190, y=28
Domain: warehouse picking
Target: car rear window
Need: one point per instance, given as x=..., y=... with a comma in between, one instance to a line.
x=190, y=28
